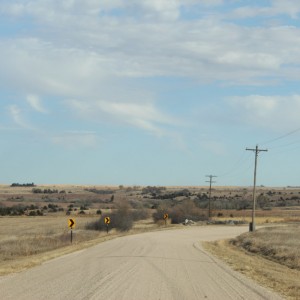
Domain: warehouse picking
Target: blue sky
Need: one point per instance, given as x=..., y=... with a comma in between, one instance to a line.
x=149, y=92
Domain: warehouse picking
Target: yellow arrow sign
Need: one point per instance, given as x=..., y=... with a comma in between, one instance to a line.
x=71, y=223
x=166, y=216
x=107, y=220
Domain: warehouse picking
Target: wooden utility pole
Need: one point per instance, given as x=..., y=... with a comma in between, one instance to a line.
x=256, y=150
x=210, y=182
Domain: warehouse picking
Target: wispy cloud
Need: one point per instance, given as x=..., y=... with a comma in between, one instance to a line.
x=141, y=115
x=17, y=116
x=35, y=102
x=98, y=49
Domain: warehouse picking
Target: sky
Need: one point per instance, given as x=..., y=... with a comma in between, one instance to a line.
x=149, y=92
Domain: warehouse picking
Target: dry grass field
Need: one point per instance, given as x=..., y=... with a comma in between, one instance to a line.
x=23, y=238
x=28, y=241
x=279, y=244
x=271, y=256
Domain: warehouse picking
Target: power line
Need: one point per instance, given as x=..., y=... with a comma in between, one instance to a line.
x=281, y=137
x=286, y=150
x=237, y=172
x=286, y=145
x=241, y=161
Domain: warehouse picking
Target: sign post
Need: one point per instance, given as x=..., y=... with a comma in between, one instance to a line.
x=166, y=216
x=71, y=223
x=107, y=221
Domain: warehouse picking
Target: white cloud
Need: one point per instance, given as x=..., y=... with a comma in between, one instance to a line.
x=19, y=117
x=35, y=102
x=16, y=114
x=165, y=9
x=84, y=50
x=290, y=8
x=100, y=54
x=140, y=115
x=271, y=112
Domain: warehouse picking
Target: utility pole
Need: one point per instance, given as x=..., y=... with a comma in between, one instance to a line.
x=210, y=182
x=256, y=150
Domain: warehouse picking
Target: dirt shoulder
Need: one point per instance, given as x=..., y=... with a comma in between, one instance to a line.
x=281, y=279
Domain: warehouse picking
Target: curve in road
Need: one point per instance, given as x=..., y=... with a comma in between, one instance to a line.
x=163, y=265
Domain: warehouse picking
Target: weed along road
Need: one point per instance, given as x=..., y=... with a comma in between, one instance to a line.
x=165, y=265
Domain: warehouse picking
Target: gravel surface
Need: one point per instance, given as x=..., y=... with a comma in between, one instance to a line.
x=163, y=265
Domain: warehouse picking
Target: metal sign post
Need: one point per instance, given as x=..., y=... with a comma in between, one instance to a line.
x=71, y=224
x=166, y=216
x=107, y=221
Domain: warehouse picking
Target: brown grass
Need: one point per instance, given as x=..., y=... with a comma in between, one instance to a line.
x=29, y=236
x=273, y=260
x=28, y=241
x=280, y=244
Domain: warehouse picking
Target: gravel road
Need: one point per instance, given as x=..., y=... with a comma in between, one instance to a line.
x=162, y=265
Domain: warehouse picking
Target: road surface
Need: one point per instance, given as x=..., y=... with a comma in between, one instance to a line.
x=162, y=265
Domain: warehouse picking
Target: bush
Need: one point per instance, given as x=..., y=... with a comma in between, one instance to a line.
x=180, y=212
x=121, y=219
x=16, y=210
x=99, y=212
x=159, y=214
x=39, y=213
x=139, y=214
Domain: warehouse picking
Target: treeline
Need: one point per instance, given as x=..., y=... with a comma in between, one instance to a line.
x=30, y=210
x=22, y=184
x=100, y=192
x=153, y=190
x=16, y=210
x=47, y=191
x=182, y=193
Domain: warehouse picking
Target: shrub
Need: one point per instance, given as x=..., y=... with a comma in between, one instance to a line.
x=180, y=212
x=121, y=219
x=159, y=214
x=39, y=213
x=96, y=225
x=139, y=214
